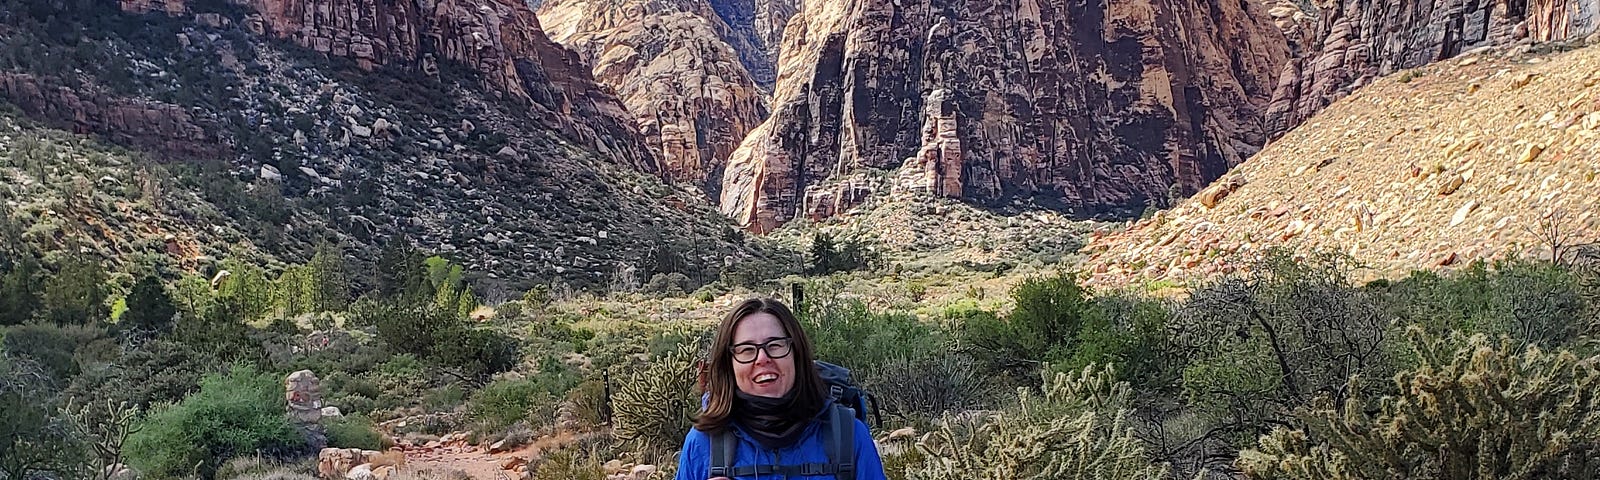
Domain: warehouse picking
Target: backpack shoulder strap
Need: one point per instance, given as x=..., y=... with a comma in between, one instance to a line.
x=839, y=441
x=722, y=454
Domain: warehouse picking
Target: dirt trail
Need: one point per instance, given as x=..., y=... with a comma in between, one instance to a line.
x=477, y=462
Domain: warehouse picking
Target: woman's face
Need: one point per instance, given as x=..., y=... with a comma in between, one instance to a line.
x=765, y=376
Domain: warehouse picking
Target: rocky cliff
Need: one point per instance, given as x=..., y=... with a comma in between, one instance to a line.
x=1482, y=158
x=137, y=122
x=668, y=60
x=281, y=148
x=1092, y=106
x=1357, y=41
x=757, y=33
x=501, y=40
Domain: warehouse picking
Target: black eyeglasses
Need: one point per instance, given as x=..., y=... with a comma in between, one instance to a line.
x=747, y=352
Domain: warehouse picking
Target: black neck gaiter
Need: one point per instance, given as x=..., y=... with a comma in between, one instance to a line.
x=773, y=422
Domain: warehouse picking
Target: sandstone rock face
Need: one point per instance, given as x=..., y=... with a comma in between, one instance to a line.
x=1100, y=106
x=685, y=86
x=500, y=39
x=143, y=123
x=1357, y=41
x=757, y=33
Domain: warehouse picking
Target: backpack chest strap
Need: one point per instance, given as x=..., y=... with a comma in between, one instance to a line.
x=805, y=469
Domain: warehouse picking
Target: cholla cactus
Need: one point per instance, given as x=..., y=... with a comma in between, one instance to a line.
x=1076, y=429
x=655, y=407
x=1472, y=409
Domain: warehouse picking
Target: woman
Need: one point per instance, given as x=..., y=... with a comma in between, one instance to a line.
x=767, y=413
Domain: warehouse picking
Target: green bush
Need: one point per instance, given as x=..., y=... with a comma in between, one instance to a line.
x=588, y=402
x=150, y=309
x=354, y=431
x=570, y=463
x=1471, y=409
x=928, y=385
x=77, y=293
x=53, y=348
x=1537, y=302
x=236, y=414
x=847, y=333
x=1129, y=332
x=35, y=441
x=476, y=353
x=851, y=253
x=1043, y=325
x=503, y=403
x=19, y=288
x=1260, y=345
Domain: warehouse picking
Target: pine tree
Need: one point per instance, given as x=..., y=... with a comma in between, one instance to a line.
x=77, y=294
x=19, y=293
x=401, y=271
x=824, y=256
x=149, y=307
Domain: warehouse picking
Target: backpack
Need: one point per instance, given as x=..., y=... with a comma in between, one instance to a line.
x=838, y=437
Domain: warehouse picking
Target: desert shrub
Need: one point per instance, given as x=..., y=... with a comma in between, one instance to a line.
x=476, y=353
x=261, y=468
x=1074, y=427
x=1538, y=302
x=656, y=405
x=928, y=385
x=410, y=328
x=505, y=402
x=569, y=463
x=234, y=414
x=444, y=398
x=53, y=348
x=157, y=371
x=19, y=286
x=77, y=293
x=150, y=309
x=588, y=401
x=1260, y=345
x=35, y=440
x=516, y=436
x=1472, y=409
x=672, y=284
x=849, y=334
x=1130, y=332
x=828, y=255
x=354, y=431
x=1049, y=313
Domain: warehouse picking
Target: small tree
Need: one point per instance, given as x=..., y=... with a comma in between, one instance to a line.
x=149, y=307
x=19, y=291
x=246, y=290
x=76, y=295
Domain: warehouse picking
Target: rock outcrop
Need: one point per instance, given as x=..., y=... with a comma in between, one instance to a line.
x=142, y=123
x=691, y=97
x=757, y=33
x=501, y=40
x=1357, y=41
x=1483, y=158
x=1095, y=107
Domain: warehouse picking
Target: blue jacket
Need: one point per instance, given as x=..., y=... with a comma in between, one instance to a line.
x=694, y=461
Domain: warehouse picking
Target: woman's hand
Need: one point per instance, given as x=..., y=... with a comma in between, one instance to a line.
x=720, y=478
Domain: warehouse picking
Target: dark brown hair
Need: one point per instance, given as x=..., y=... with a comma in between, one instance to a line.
x=720, y=384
